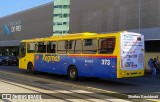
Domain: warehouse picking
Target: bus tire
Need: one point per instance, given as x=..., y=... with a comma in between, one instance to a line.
x=72, y=73
x=30, y=68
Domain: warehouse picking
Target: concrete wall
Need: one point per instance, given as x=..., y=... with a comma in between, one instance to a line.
x=114, y=15
x=33, y=23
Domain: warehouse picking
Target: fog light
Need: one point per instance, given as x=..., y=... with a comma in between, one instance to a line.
x=122, y=73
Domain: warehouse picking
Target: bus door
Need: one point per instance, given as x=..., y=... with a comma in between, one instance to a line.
x=22, y=54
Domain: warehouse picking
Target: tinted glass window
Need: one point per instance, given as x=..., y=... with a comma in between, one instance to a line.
x=22, y=49
x=90, y=46
x=51, y=47
x=76, y=47
x=152, y=46
x=41, y=47
x=62, y=48
x=106, y=45
x=31, y=47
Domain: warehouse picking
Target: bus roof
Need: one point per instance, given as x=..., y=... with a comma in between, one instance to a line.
x=73, y=36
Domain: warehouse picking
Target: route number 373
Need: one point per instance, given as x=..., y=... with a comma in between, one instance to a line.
x=105, y=62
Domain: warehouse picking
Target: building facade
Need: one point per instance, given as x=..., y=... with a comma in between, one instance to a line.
x=76, y=16
x=32, y=23
x=142, y=16
x=115, y=15
x=61, y=16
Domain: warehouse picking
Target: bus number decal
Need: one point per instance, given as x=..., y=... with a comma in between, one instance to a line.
x=105, y=62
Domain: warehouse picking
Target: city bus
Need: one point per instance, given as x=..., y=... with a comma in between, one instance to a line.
x=104, y=55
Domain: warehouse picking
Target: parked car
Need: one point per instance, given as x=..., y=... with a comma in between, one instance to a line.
x=10, y=60
x=2, y=60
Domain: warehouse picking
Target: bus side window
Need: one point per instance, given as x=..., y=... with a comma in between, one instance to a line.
x=76, y=47
x=41, y=47
x=31, y=47
x=62, y=47
x=90, y=46
x=111, y=45
x=51, y=47
x=106, y=46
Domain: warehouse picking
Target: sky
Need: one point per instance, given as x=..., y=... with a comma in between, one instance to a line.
x=8, y=7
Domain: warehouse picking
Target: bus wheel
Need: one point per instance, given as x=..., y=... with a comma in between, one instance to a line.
x=30, y=68
x=72, y=73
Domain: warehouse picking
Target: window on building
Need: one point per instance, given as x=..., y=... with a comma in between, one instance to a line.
x=152, y=46
x=58, y=32
x=58, y=6
x=66, y=6
x=65, y=15
x=60, y=15
x=65, y=32
x=56, y=15
x=64, y=23
x=59, y=23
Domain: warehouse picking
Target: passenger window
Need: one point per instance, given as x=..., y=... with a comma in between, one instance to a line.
x=62, y=47
x=51, y=47
x=106, y=46
x=76, y=47
x=90, y=46
x=68, y=44
x=41, y=47
x=31, y=47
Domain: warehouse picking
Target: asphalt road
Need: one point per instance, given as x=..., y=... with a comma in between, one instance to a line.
x=89, y=88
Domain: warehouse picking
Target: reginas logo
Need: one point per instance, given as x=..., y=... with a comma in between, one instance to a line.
x=51, y=58
x=6, y=29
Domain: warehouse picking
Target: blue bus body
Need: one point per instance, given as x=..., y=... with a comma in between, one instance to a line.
x=87, y=65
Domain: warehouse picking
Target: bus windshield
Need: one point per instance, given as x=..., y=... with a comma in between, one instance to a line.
x=22, y=49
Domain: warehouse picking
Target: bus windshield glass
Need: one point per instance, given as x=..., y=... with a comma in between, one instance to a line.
x=22, y=49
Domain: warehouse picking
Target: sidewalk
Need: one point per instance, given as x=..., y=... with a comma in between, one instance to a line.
x=9, y=90
x=15, y=92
